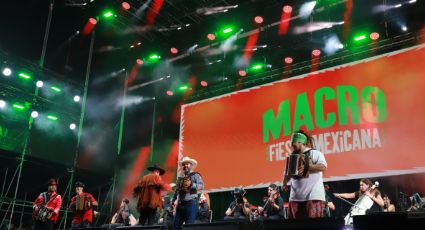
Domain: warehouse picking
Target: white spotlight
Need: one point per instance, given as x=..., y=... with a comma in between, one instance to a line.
x=307, y=8
x=72, y=126
x=404, y=28
x=34, y=114
x=39, y=84
x=397, y=6
x=77, y=98
x=412, y=1
x=7, y=72
x=2, y=104
x=332, y=45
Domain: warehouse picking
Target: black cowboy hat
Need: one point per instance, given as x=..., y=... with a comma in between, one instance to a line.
x=52, y=182
x=239, y=191
x=156, y=167
x=79, y=184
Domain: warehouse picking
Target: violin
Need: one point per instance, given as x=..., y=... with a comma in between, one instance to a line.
x=269, y=200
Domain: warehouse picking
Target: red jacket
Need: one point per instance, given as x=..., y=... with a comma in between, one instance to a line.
x=81, y=216
x=54, y=203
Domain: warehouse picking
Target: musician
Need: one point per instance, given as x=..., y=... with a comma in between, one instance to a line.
x=307, y=194
x=82, y=205
x=188, y=185
x=388, y=206
x=148, y=192
x=50, y=200
x=239, y=209
x=417, y=202
x=273, y=204
x=366, y=190
x=203, y=209
x=329, y=205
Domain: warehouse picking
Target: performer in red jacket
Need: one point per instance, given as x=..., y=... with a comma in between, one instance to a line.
x=46, y=207
x=82, y=205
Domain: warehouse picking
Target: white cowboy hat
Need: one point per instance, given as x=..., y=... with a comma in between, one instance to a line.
x=190, y=160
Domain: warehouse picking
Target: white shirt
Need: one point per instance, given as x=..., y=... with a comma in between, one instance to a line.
x=310, y=188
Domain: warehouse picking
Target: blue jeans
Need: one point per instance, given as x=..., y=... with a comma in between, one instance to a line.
x=186, y=212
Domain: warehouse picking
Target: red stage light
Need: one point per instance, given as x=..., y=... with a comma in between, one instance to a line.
x=289, y=60
x=170, y=93
x=316, y=52
x=139, y=61
x=92, y=21
x=125, y=5
x=287, y=9
x=258, y=19
x=204, y=83
x=242, y=73
x=211, y=37
x=174, y=50
x=374, y=36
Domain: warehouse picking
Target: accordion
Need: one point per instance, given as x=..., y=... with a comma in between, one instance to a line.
x=43, y=214
x=181, y=180
x=296, y=161
x=82, y=203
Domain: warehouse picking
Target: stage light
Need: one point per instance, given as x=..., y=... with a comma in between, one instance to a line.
x=289, y=60
x=316, y=52
x=53, y=118
x=34, y=114
x=258, y=19
x=18, y=106
x=154, y=57
x=139, y=61
x=374, y=36
x=287, y=9
x=108, y=14
x=77, y=98
x=360, y=38
x=183, y=88
x=7, y=71
x=404, y=28
x=204, y=83
x=2, y=104
x=125, y=5
x=24, y=76
x=257, y=67
x=92, y=21
x=72, y=126
x=55, y=88
x=170, y=93
x=397, y=6
x=412, y=1
x=39, y=84
x=211, y=37
x=307, y=8
x=227, y=30
x=174, y=50
x=242, y=73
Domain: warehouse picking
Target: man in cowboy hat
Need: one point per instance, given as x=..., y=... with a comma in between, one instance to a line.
x=188, y=185
x=46, y=207
x=148, y=192
x=82, y=205
x=239, y=208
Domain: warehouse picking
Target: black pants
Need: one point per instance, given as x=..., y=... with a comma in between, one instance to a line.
x=48, y=225
x=147, y=214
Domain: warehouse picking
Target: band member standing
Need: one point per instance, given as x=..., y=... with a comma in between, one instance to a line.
x=366, y=190
x=307, y=194
x=148, y=193
x=273, y=204
x=239, y=208
x=46, y=207
x=82, y=205
x=388, y=206
x=188, y=185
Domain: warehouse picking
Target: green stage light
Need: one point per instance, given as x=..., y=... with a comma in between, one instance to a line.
x=183, y=88
x=360, y=38
x=154, y=57
x=53, y=118
x=55, y=89
x=227, y=30
x=24, y=75
x=257, y=67
x=108, y=14
x=18, y=106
